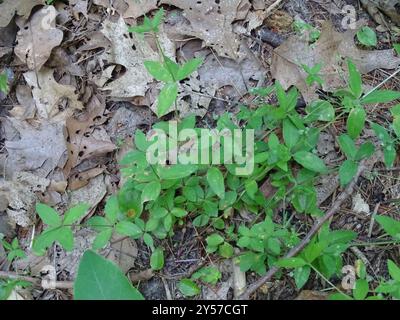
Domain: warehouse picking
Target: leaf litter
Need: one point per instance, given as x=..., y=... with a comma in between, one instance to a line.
x=67, y=117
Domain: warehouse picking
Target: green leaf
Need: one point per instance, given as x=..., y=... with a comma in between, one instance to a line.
x=355, y=81
x=216, y=181
x=347, y=171
x=356, y=122
x=75, y=213
x=176, y=171
x=347, y=146
x=148, y=240
x=366, y=150
x=188, y=68
x=48, y=215
x=155, y=22
x=100, y=279
x=367, y=37
x=188, y=288
x=320, y=110
x=166, y=98
x=214, y=240
x=158, y=71
x=396, y=126
x=151, y=191
x=111, y=209
x=389, y=155
x=301, y=276
x=291, y=134
x=310, y=161
x=380, y=96
x=251, y=188
x=381, y=133
x=390, y=225
x=44, y=240
x=394, y=270
x=361, y=289
x=290, y=263
x=157, y=259
x=102, y=239
x=4, y=83
x=66, y=238
x=127, y=228
x=225, y=250
x=208, y=274
x=178, y=212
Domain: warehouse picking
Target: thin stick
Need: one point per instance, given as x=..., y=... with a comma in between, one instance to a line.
x=317, y=225
x=382, y=83
x=273, y=6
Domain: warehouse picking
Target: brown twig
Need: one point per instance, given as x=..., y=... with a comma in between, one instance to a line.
x=317, y=225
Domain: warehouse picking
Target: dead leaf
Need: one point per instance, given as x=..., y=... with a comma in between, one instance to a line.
x=27, y=108
x=82, y=140
x=39, y=148
x=81, y=179
x=38, y=37
x=129, y=51
x=21, y=195
x=79, y=6
x=138, y=8
x=10, y=7
x=359, y=204
x=330, y=50
x=211, y=22
x=312, y=295
x=48, y=94
x=91, y=194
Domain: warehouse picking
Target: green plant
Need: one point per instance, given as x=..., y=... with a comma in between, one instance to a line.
x=7, y=287
x=209, y=275
x=322, y=254
x=367, y=37
x=314, y=75
x=59, y=229
x=391, y=287
x=4, y=83
x=14, y=250
x=100, y=279
x=166, y=70
x=304, y=28
x=158, y=199
x=354, y=155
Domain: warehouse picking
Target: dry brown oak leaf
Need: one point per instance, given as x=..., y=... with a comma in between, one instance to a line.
x=37, y=37
x=331, y=50
x=211, y=21
x=50, y=93
x=9, y=8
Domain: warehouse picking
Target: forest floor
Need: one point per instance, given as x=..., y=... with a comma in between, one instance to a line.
x=78, y=91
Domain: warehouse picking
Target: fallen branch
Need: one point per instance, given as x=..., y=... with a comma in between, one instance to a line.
x=45, y=284
x=317, y=225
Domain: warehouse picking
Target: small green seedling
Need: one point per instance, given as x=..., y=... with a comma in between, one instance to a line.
x=166, y=70
x=14, y=250
x=367, y=37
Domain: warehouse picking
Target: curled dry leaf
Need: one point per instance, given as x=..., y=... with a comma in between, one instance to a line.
x=9, y=8
x=48, y=94
x=211, y=21
x=331, y=50
x=38, y=37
